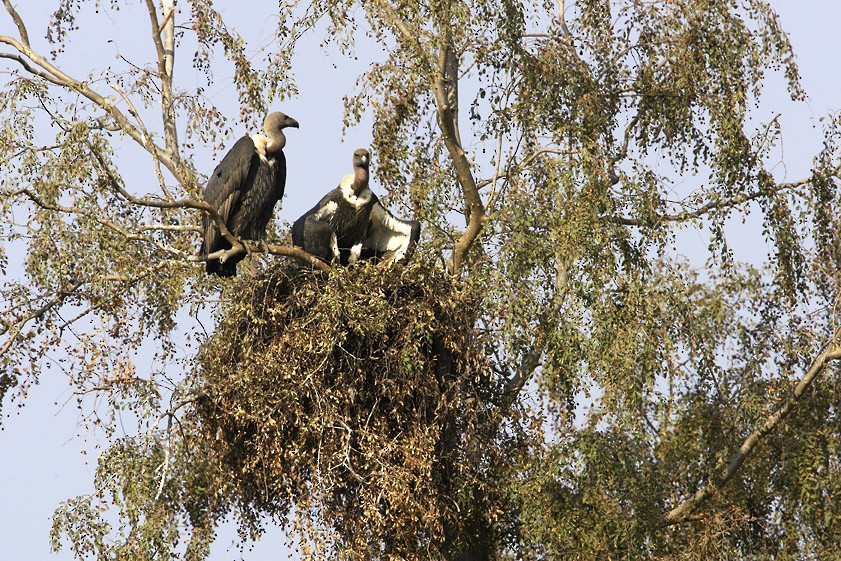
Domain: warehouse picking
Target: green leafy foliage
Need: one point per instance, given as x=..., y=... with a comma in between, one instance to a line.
x=552, y=379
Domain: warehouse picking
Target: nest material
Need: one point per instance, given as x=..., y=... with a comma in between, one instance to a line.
x=353, y=397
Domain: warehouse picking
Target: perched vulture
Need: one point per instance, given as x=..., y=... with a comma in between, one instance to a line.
x=244, y=188
x=349, y=223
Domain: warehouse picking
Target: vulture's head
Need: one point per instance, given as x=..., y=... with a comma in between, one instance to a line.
x=277, y=121
x=361, y=158
x=273, y=127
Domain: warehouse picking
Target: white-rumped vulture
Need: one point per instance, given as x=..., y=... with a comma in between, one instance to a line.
x=244, y=188
x=349, y=223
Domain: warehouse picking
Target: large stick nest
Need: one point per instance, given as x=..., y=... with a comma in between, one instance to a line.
x=359, y=398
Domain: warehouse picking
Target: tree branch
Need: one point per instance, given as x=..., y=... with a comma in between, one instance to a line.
x=710, y=206
x=547, y=323
x=147, y=139
x=165, y=49
x=16, y=326
x=444, y=85
x=444, y=88
x=32, y=70
x=238, y=246
x=24, y=35
x=58, y=77
x=680, y=513
x=410, y=36
x=299, y=254
x=170, y=203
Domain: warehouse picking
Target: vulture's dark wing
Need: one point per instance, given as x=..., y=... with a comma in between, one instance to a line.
x=225, y=187
x=262, y=190
x=313, y=231
x=390, y=237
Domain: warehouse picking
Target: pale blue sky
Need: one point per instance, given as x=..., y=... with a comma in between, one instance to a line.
x=42, y=463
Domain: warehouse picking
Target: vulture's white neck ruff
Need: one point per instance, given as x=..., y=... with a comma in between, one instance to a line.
x=264, y=146
x=357, y=201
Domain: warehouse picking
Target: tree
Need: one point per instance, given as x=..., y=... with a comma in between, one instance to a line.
x=592, y=137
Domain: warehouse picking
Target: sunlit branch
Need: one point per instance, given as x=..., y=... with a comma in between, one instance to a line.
x=135, y=237
x=247, y=247
x=170, y=228
x=127, y=282
x=497, y=171
x=410, y=36
x=111, y=225
x=239, y=247
x=299, y=254
x=766, y=136
x=165, y=49
x=115, y=183
x=445, y=96
x=629, y=128
x=24, y=35
x=165, y=466
x=524, y=166
x=567, y=34
x=148, y=139
x=547, y=323
x=32, y=70
x=680, y=513
x=444, y=84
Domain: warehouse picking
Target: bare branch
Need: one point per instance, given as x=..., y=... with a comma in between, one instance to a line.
x=32, y=70
x=497, y=174
x=15, y=327
x=111, y=225
x=518, y=168
x=547, y=323
x=165, y=49
x=444, y=85
x=239, y=247
x=114, y=181
x=167, y=19
x=165, y=465
x=148, y=140
x=170, y=228
x=145, y=136
x=24, y=36
x=299, y=254
x=410, y=36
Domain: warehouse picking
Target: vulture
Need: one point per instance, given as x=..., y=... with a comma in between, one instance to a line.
x=244, y=188
x=349, y=223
